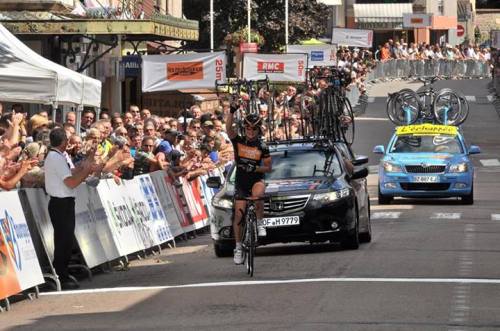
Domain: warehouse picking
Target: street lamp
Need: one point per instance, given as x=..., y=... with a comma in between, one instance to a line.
x=249, y=10
x=211, y=25
x=286, y=26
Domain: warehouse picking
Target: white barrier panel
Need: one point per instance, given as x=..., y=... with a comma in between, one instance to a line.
x=86, y=229
x=278, y=67
x=192, y=195
x=181, y=71
x=180, y=205
x=319, y=55
x=167, y=202
x=120, y=218
x=19, y=266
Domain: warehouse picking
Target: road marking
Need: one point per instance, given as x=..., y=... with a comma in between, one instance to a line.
x=495, y=217
x=445, y=281
x=373, y=169
x=372, y=119
x=392, y=207
x=471, y=98
x=490, y=97
x=385, y=215
x=490, y=162
x=371, y=99
x=448, y=216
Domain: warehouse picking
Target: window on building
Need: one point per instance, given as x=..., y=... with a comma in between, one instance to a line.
x=441, y=7
x=487, y=4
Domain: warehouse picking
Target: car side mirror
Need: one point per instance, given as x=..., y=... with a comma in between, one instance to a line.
x=359, y=160
x=361, y=173
x=379, y=149
x=214, y=182
x=473, y=149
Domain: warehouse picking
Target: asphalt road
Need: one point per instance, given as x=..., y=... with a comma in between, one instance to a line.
x=432, y=265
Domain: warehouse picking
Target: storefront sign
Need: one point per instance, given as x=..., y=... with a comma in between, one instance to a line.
x=278, y=67
x=182, y=71
x=319, y=55
x=352, y=37
x=417, y=20
x=131, y=65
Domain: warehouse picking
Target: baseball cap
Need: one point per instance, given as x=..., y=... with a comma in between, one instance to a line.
x=208, y=123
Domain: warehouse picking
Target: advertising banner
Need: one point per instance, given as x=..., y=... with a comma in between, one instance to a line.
x=182, y=71
x=319, y=55
x=352, y=37
x=120, y=219
x=86, y=231
x=278, y=67
x=167, y=202
x=417, y=20
x=181, y=207
x=19, y=267
x=192, y=194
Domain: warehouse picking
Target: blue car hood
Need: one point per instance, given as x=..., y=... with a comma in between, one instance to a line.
x=430, y=158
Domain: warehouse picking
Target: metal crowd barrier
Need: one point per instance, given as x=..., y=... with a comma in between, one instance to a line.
x=422, y=68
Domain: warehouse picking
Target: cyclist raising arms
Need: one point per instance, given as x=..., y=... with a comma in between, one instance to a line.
x=253, y=160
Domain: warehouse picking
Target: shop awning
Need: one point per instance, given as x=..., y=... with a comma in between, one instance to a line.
x=381, y=12
x=166, y=26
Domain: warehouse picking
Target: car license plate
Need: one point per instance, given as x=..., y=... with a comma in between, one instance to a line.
x=274, y=222
x=426, y=179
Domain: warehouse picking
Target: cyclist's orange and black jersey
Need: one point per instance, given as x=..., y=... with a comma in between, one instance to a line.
x=248, y=152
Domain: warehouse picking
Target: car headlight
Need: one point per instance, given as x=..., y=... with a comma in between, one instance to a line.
x=459, y=167
x=222, y=203
x=391, y=167
x=332, y=196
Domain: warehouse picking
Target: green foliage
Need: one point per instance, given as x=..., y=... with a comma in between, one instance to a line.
x=306, y=20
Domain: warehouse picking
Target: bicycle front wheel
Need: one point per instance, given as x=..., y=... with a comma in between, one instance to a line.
x=447, y=107
x=347, y=124
x=251, y=242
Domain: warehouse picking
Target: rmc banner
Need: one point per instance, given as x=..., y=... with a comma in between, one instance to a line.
x=182, y=71
x=352, y=37
x=19, y=266
x=319, y=55
x=278, y=67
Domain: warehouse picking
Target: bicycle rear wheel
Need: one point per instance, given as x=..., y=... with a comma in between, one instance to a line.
x=447, y=107
x=347, y=128
x=403, y=108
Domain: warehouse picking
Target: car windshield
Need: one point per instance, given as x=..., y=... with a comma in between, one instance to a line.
x=295, y=164
x=427, y=144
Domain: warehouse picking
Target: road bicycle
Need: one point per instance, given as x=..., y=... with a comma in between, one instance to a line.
x=249, y=239
x=428, y=105
x=334, y=116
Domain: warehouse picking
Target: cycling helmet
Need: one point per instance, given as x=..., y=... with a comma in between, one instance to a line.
x=253, y=120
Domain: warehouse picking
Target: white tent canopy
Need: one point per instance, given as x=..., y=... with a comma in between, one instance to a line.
x=26, y=76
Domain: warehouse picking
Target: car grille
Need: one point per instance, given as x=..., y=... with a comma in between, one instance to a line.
x=286, y=204
x=425, y=186
x=431, y=169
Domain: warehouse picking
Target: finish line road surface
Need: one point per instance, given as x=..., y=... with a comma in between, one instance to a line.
x=432, y=265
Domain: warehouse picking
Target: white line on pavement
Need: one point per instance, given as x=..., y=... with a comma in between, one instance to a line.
x=495, y=217
x=284, y=281
x=385, y=215
x=371, y=100
x=392, y=207
x=448, y=216
x=471, y=98
x=490, y=162
x=371, y=119
x=490, y=97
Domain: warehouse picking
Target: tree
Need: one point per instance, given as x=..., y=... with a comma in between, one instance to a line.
x=306, y=20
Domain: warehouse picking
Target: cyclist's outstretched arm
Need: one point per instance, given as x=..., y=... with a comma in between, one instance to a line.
x=231, y=133
x=266, y=167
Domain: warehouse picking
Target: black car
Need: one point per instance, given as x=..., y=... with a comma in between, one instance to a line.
x=316, y=192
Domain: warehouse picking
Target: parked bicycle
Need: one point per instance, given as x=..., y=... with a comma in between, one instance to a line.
x=428, y=105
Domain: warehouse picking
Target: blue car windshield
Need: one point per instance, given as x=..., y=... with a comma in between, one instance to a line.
x=427, y=144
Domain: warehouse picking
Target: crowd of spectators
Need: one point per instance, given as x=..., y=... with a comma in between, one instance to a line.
x=423, y=51
x=124, y=145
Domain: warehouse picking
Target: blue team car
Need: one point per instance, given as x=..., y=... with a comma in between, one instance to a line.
x=426, y=161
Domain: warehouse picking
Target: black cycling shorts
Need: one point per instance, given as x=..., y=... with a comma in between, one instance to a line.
x=243, y=189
